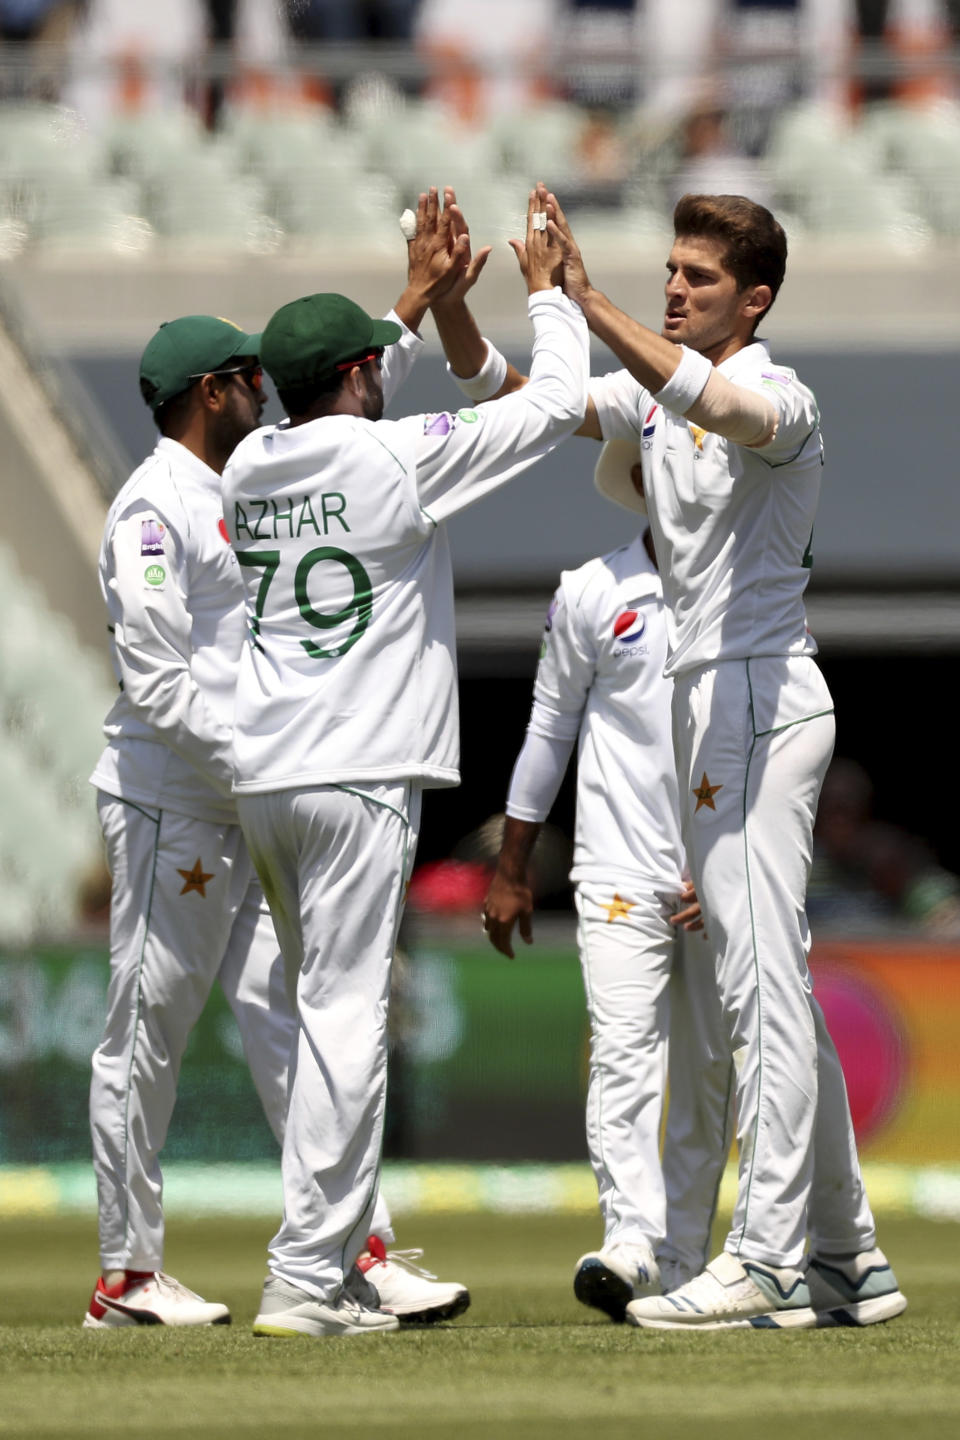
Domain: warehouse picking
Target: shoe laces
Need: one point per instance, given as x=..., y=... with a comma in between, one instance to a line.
x=353, y=1308
x=407, y=1259
x=640, y=1256
x=175, y=1289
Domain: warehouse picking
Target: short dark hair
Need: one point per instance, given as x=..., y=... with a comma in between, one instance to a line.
x=298, y=399
x=756, y=246
x=172, y=414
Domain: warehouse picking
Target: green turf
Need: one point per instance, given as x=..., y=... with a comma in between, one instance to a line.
x=526, y=1360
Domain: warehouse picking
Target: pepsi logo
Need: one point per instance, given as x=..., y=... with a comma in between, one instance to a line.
x=629, y=626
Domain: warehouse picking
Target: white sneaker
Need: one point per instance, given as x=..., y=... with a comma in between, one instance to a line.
x=674, y=1273
x=731, y=1294
x=609, y=1279
x=405, y=1289
x=149, y=1297
x=285, y=1310
x=858, y=1290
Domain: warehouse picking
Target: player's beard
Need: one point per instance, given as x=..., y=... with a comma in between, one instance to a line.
x=240, y=416
x=372, y=395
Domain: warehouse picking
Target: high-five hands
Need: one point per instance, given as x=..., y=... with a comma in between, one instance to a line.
x=438, y=246
x=540, y=256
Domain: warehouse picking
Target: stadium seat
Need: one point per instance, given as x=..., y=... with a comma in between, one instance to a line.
x=54, y=698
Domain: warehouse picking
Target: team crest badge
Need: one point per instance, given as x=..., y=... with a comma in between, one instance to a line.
x=196, y=879
x=705, y=793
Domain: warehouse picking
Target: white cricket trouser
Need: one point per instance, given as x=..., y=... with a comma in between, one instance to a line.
x=334, y=862
x=638, y=992
x=626, y=950
x=168, y=943
x=753, y=741
x=700, y=1115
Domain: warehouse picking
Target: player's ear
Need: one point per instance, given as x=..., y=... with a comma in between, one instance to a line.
x=212, y=392
x=756, y=299
x=356, y=382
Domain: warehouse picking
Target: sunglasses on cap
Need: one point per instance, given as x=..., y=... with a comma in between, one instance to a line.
x=252, y=373
x=375, y=355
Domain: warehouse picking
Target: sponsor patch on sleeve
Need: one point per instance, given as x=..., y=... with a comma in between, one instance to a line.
x=440, y=424
x=151, y=537
x=155, y=575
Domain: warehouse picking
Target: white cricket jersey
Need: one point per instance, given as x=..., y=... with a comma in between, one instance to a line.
x=732, y=525
x=175, y=602
x=350, y=673
x=600, y=682
x=178, y=625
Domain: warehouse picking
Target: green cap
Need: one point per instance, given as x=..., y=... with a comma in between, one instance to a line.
x=307, y=339
x=185, y=348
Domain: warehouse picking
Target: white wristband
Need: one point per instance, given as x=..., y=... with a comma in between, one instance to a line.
x=685, y=385
x=488, y=378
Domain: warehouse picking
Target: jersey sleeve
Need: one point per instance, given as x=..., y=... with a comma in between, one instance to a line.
x=797, y=414
x=621, y=403
x=462, y=457
x=148, y=601
x=564, y=677
x=567, y=668
x=399, y=359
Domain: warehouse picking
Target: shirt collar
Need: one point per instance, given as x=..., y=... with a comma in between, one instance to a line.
x=750, y=355
x=643, y=567
x=185, y=461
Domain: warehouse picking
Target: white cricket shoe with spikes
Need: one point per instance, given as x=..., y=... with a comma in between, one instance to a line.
x=406, y=1289
x=731, y=1294
x=609, y=1279
x=149, y=1297
x=854, y=1290
x=286, y=1310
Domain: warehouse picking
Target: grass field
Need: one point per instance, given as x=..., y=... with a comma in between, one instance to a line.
x=526, y=1359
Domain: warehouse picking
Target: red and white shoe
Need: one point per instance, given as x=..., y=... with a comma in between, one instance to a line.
x=405, y=1289
x=149, y=1297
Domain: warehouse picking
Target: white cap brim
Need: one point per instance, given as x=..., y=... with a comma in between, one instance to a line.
x=612, y=475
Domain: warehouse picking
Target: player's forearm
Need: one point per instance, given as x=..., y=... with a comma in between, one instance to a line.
x=413, y=305
x=539, y=769
x=734, y=412
x=483, y=372
x=519, y=839
x=648, y=356
x=478, y=457
x=463, y=345
x=167, y=699
x=398, y=360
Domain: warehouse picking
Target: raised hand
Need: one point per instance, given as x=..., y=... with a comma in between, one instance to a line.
x=540, y=256
x=575, y=282
x=470, y=274
x=438, y=253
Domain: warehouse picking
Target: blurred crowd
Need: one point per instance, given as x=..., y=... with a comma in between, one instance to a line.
x=253, y=124
x=668, y=55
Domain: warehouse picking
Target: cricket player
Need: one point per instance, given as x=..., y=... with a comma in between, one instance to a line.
x=346, y=710
x=187, y=907
x=731, y=456
x=600, y=686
